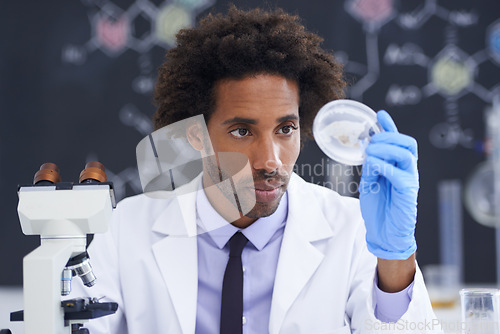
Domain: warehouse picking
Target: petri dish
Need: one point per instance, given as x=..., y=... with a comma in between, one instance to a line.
x=343, y=128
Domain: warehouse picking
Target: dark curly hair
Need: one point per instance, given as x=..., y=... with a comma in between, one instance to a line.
x=237, y=45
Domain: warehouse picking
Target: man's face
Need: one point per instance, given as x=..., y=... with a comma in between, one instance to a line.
x=259, y=117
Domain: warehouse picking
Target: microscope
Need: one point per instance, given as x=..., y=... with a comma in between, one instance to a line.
x=62, y=213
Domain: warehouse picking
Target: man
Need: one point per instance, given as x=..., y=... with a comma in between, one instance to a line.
x=310, y=260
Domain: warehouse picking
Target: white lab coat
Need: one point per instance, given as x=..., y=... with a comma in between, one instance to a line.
x=147, y=263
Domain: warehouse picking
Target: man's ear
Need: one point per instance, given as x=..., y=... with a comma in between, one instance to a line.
x=195, y=137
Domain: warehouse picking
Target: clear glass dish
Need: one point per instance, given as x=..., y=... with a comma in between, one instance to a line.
x=343, y=128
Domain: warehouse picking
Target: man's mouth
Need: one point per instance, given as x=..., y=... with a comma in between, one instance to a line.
x=268, y=191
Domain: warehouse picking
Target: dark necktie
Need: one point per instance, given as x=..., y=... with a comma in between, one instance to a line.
x=232, y=288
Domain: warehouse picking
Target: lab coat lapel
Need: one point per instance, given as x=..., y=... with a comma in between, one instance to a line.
x=299, y=258
x=176, y=255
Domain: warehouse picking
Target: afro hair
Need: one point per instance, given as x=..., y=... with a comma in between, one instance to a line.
x=237, y=45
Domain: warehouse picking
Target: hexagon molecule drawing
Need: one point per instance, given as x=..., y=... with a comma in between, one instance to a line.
x=451, y=73
x=112, y=28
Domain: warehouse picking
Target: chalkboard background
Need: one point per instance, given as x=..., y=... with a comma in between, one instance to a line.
x=76, y=79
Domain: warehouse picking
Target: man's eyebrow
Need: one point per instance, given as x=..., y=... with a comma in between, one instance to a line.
x=288, y=118
x=239, y=120
x=253, y=121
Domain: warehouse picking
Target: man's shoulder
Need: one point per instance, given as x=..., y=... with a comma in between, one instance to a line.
x=321, y=193
x=342, y=213
x=158, y=199
x=143, y=207
x=149, y=199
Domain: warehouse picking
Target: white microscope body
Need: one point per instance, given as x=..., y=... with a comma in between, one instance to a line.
x=62, y=218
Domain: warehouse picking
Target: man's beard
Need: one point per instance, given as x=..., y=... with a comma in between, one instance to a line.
x=240, y=189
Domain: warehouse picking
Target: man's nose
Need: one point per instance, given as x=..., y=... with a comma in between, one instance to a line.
x=266, y=156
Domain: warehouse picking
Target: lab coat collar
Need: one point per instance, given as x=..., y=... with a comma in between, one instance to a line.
x=299, y=258
x=176, y=253
x=179, y=216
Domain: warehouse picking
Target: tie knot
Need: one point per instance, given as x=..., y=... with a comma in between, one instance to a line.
x=236, y=244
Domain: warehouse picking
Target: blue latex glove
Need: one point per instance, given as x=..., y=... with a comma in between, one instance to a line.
x=388, y=192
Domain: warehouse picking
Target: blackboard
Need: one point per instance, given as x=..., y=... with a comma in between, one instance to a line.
x=76, y=82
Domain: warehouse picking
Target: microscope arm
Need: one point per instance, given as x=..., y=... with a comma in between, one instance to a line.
x=42, y=283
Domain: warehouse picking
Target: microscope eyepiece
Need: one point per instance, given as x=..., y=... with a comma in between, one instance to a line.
x=94, y=172
x=47, y=175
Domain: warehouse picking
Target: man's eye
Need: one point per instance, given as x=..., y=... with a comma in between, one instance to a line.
x=240, y=132
x=287, y=129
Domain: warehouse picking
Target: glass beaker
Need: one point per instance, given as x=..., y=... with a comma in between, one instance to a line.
x=442, y=282
x=480, y=311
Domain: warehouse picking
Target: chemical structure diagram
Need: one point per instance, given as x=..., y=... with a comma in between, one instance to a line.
x=451, y=73
x=139, y=27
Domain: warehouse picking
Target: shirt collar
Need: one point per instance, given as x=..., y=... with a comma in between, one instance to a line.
x=259, y=233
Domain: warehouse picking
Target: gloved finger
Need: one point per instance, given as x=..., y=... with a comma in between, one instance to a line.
x=394, y=155
x=369, y=173
x=397, y=139
x=385, y=120
x=400, y=179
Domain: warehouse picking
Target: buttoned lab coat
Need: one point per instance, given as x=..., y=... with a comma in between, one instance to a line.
x=147, y=263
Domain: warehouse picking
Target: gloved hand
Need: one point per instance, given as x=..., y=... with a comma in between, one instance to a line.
x=388, y=192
